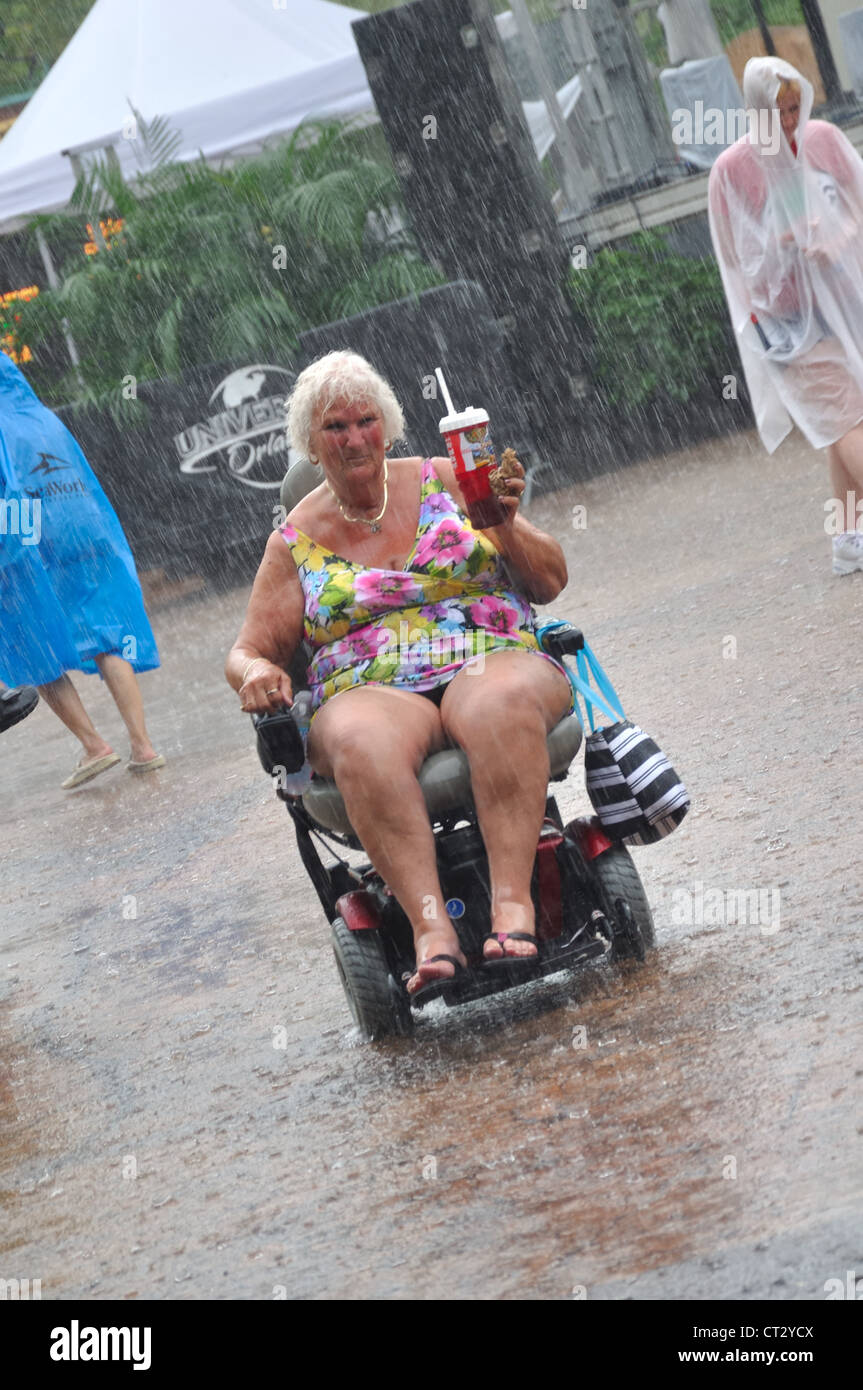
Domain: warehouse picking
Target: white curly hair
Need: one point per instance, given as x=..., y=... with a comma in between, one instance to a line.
x=339, y=375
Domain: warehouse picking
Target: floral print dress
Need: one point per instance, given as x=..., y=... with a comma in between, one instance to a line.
x=416, y=627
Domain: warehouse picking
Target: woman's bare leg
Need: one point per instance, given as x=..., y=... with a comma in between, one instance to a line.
x=374, y=741
x=501, y=716
x=62, y=697
x=846, y=470
x=123, y=685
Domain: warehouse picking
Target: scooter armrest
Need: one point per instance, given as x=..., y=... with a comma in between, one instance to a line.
x=280, y=741
x=561, y=640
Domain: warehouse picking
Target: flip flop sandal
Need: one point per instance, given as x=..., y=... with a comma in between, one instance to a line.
x=491, y=962
x=149, y=766
x=84, y=772
x=433, y=987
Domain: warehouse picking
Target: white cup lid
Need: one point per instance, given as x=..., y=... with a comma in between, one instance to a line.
x=463, y=420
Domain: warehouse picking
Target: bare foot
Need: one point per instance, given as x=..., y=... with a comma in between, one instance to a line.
x=95, y=749
x=502, y=944
x=434, y=943
x=510, y=918
x=142, y=752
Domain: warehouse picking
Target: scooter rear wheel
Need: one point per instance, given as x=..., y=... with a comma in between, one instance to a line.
x=617, y=877
x=378, y=1003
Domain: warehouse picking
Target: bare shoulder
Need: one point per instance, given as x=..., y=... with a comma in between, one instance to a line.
x=443, y=467
x=404, y=475
x=445, y=471
x=277, y=564
x=306, y=508
x=405, y=466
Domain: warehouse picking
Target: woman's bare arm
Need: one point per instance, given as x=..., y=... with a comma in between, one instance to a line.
x=534, y=558
x=271, y=632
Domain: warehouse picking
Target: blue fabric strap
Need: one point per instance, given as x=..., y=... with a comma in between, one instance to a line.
x=591, y=698
x=588, y=666
x=601, y=694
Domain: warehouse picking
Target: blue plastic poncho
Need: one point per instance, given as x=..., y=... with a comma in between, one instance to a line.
x=68, y=585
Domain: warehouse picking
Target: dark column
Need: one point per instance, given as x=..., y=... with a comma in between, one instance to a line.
x=766, y=36
x=474, y=190
x=814, y=21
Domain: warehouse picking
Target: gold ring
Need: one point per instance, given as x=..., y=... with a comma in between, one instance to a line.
x=271, y=692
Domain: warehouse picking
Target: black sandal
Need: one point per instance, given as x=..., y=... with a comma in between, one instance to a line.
x=500, y=937
x=434, y=987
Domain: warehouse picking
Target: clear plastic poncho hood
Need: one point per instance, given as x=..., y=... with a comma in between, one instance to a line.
x=788, y=233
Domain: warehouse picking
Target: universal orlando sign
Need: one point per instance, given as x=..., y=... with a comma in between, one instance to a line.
x=246, y=431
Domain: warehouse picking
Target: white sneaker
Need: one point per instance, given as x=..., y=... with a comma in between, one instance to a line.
x=848, y=552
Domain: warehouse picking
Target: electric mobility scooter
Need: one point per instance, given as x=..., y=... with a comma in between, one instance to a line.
x=589, y=899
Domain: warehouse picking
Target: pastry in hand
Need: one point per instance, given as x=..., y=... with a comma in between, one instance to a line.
x=509, y=468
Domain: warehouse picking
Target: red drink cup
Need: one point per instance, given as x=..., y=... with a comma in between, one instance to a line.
x=470, y=447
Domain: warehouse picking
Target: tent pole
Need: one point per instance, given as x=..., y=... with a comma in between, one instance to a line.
x=54, y=283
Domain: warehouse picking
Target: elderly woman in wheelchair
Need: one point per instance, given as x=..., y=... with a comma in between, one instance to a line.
x=422, y=638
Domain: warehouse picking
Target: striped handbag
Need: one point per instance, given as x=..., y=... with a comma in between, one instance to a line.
x=635, y=791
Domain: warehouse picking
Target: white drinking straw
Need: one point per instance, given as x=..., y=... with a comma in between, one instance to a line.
x=446, y=395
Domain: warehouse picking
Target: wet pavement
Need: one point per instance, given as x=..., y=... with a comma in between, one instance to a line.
x=187, y=1111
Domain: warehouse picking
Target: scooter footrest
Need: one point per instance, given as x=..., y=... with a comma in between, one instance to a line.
x=482, y=981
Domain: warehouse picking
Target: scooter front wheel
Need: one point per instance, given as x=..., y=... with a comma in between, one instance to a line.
x=618, y=879
x=377, y=1001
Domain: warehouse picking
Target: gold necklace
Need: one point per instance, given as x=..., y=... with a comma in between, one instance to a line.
x=373, y=523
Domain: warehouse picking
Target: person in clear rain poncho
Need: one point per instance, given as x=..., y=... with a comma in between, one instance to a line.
x=786, y=217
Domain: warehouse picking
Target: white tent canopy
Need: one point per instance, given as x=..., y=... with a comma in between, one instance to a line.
x=227, y=74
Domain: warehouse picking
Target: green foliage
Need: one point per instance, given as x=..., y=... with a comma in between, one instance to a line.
x=652, y=35
x=734, y=17
x=658, y=320
x=212, y=264
x=32, y=37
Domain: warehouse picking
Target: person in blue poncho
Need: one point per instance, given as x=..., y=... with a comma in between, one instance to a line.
x=70, y=599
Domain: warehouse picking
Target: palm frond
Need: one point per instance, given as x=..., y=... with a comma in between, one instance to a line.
x=393, y=277
x=191, y=279
x=104, y=396
x=167, y=336
x=51, y=224
x=78, y=293
x=157, y=142
x=334, y=207
x=87, y=193
x=257, y=325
